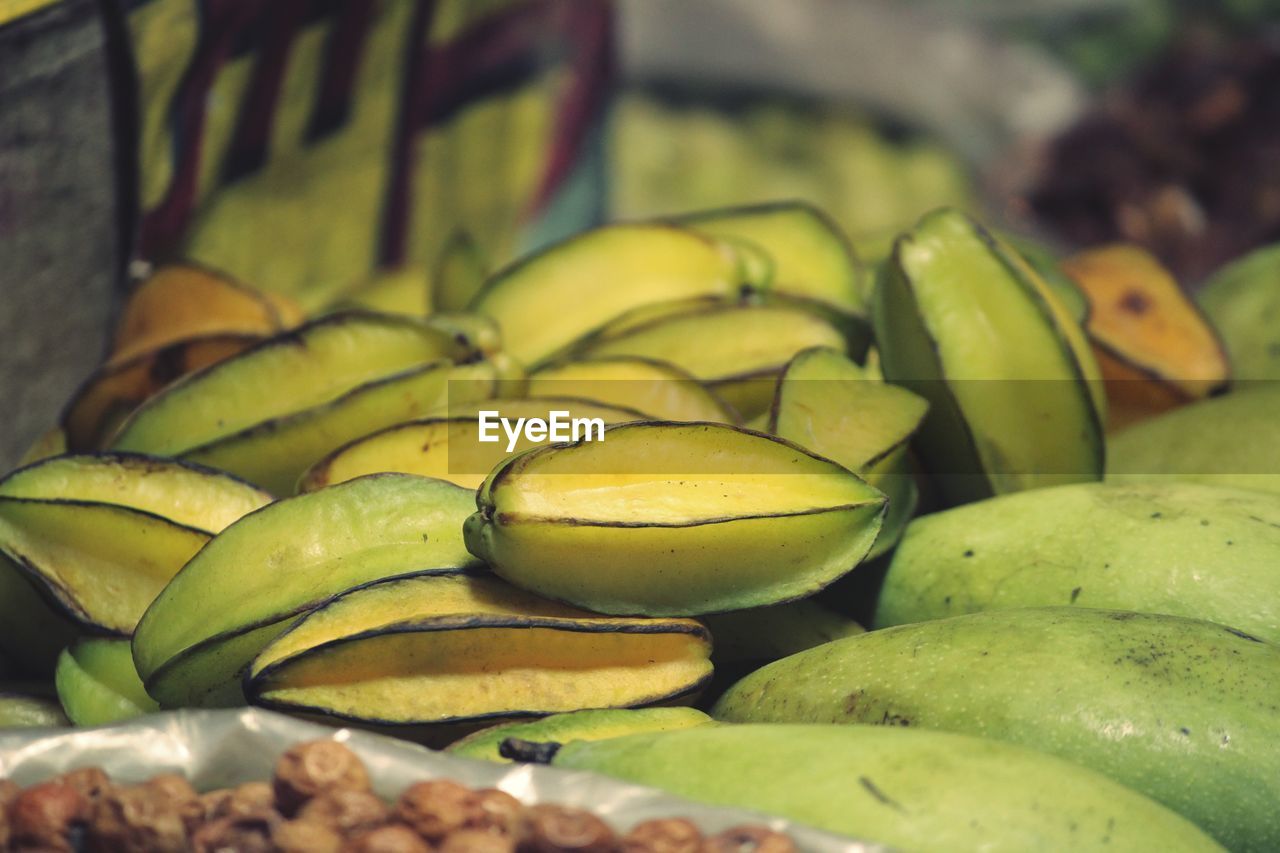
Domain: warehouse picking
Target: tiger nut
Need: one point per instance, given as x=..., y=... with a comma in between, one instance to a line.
x=392, y=838
x=172, y=787
x=211, y=802
x=136, y=820
x=241, y=834
x=8, y=793
x=177, y=791
x=434, y=809
x=313, y=768
x=665, y=835
x=305, y=836
x=494, y=811
x=247, y=799
x=91, y=782
x=477, y=841
x=550, y=828
x=346, y=811
x=43, y=816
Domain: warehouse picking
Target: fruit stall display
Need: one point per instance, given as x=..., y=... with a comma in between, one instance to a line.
x=256, y=780
x=836, y=491
x=678, y=150
x=974, y=550
x=320, y=799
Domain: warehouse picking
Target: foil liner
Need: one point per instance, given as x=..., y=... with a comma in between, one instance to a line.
x=217, y=749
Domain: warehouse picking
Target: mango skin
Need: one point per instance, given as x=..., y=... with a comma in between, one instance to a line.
x=1243, y=301
x=1191, y=550
x=911, y=789
x=764, y=634
x=1233, y=440
x=591, y=724
x=1182, y=710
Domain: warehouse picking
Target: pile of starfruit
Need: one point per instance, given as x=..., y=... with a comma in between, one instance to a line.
x=369, y=515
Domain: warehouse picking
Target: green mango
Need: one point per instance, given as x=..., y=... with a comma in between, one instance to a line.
x=911, y=789
x=764, y=634
x=593, y=724
x=1015, y=397
x=1182, y=710
x=1203, y=552
x=1243, y=301
x=1233, y=440
x=98, y=684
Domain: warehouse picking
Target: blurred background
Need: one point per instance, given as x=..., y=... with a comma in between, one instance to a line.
x=332, y=150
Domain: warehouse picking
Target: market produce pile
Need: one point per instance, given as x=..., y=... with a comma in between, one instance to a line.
x=1179, y=158
x=1031, y=478
x=675, y=150
x=319, y=800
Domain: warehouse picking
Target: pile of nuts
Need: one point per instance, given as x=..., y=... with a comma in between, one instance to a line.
x=320, y=801
x=1181, y=159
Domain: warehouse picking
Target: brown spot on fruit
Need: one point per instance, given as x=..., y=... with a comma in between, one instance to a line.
x=1135, y=302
